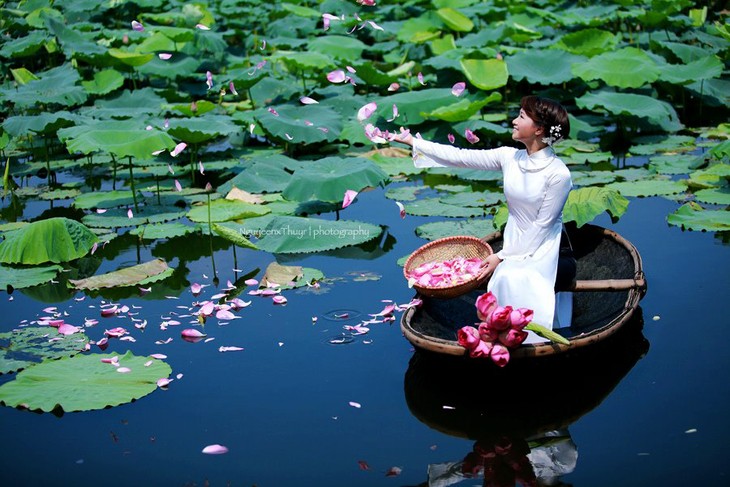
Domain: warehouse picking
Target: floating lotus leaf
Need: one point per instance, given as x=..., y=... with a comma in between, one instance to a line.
x=485, y=74
x=140, y=274
x=434, y=207
x=118, y=217
x=23, y=277
x=626, y=68
x=692, y=216
x=585, y=204
x=671, y=143
x=592, y=178
x=59, y=194
x=290, y=234
x=201, y=129
x=413, y=105
x=222, y=210
x=55, y=240
x=24, y=347
x=289, y=276
x=675, y=163
x=714, y=196
x=57, y=85
x=477, y=227
x=21, y=125
x=545, y=66
x=268, y=174
x=630, y=104
x=327, y=179
x=121, y=141
x=233, y=236
x=338, y=47
x=306, y=124
x=473, y=199
x=104, y=199
x=164, y=230
x=714, y=175
x=588, y=42
x=83, y=383
x=700, y=69
x=131, y=58
x=104, y=82
x=126, y=105
x=649, y=187
x=403, y=193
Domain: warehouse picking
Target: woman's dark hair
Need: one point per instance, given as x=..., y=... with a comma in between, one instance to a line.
x=546, y=113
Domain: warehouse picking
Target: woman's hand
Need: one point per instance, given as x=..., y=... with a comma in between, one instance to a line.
x=404, y=137
x=491, y=263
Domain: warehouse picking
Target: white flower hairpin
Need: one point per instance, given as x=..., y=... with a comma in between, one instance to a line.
x=555, y=135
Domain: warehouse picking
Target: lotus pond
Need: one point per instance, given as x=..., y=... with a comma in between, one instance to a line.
x=203, y=231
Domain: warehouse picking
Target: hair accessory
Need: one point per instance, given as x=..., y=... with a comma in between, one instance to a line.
x=555, y=135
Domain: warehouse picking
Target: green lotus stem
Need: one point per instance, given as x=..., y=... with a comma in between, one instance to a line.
x=131, y=184
x=157, y=182
x=114, y=172
x=210, y=226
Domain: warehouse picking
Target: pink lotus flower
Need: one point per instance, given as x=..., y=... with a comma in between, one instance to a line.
x=468, y=337
x=487, y=332
x=401, y=209
x=486, y=304
x=501, y=318
x=483, y=349
x=350, y=196
x=521, y=317
x=512, y=337
x=499, y=354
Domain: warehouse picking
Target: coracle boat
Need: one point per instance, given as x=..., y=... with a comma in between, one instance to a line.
x=609, y=285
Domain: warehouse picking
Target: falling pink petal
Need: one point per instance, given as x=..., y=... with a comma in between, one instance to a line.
x=375, y=26
x=350, y=69
x=273, y=112
x=164, y=56
x=367, y=3
x=366, y=111
x=458, y=88
x=207, y=309
x=192, y=333
x=101, y=210
x=232, y=88
x=388, y=310
x=94, y=247
x=124, y=370
x=451, y=138
x=230, y=349
x=137, y=26
x=279, y=299
x=215, y=450
x=209, y=79
x=178, y=149
x=395, y=113
x=420, y=78
x=401, y=208
x=110, y=360
x=202, y=27
x=337, y=76
x=307, y=100
x=130, y=215
x=178, y=186
x=349, y=198
x=163, y=382
x=201, y=168
x=393, y=87
x=355, y=404
x=471, y=136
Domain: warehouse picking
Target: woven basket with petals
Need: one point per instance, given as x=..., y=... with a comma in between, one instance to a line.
x=444, y=249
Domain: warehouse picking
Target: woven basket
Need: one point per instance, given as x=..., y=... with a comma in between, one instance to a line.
x=448, y=248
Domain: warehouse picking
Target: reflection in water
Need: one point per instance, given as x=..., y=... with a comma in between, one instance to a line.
x=519, y=415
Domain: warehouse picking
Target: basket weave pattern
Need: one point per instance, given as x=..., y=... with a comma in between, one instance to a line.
x=444, y=249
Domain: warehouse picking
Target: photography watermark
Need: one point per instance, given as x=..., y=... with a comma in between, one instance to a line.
x=310, y=232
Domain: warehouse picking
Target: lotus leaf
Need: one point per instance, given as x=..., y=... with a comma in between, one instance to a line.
x=55, y=240
x=281, y=275
x=233, y=236
x=585, y=204
x=485, y=74
x=475, y=227
x=692, y=216
x=395, y=166
x=122, y=142
x=412, y=105
x=545, y=66
x=434, y=207
x=104, y=199
x=327, y=179
x=57, y=85
x=338, y=47
x=656, y=111
x=24, y=347
x=104, y=82
x=222, y=210
x=649, y=187
x=671, y=143
x=118, y=217
x=473, y=199
x=455, y=20
x=24, y=46
x=626, y=68
x=45, y=122
x=129, y=276
x=201, y=129
x=714, y=196
x=266, y=175
x=23, y=277
x=675, y=163
x=306, y=124
x=126, y=105
x=131, y=58
x=705, y=68
x=403, y=193
x=592, y=178
x=463, y=109
x=290, y=234
x=588, y=42
x=59, y=194
x=83, y=383
x=164, y=230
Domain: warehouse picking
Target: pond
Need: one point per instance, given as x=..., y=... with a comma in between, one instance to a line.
x=302, y=405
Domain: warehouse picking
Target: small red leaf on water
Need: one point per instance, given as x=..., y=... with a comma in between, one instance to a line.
x=363, y=465
x=393, y=472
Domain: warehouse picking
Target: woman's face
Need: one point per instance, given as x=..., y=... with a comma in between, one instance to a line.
x=524, y=128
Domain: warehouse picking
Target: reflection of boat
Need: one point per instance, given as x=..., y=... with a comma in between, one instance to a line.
x=519, y=415
x=609, y=285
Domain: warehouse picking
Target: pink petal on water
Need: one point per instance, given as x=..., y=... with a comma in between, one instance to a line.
x=137, y=26
x=163, y=382
x=66, y=329
x=109, y=311
x=178, y=186
x=230, y=349
x=393, y=472
x=207, y=309
x=279, y=299
x=336, y=76
x=350, y=196
x=115, y=332
x=215, y=450
x=366, y=111
x=451, y=138
x=103, y=343
x=401, y=208
x=458, y=88
x=192, y=333
x=251, y=282
x=124, y=370
x=158, y=356
x=471, y=136
x=224, y=314
x=164, y=56
x=393, y=87
x=355, y=404
x=178, y=149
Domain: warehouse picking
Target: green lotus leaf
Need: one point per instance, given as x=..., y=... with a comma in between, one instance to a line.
x=84, y=383
x=714, y=196
x=434, y=207
x=104, y=199
x=485, y=74
x=700, y=69
x=455, y=20
x=692, y=216
x=649, y=187
x=131, y=58
x=57, y=85
x=585, y=204
x=543, y=66
x=675, y=163
x=303, y=60
x=222, y=210
x=290, y=234
x=233, y=236
x=164, y=230
x=75, y=43
x=129, y=276
x=24, y=46
x=118, y=217
x=200, y=108
x=176, y=34
x=119, y=140
x=338, y=47
x=626, y=68
x=664, y=143
x=656, y=111
x=104, y=82
x=462, y=109
x=24, y=277
x=307, y=124
x=476, y=227
x=481, y=126
x=412, y=105
x=588, y=42
x=592, y=178
x=24, y=347
x=420, y=29
x=289, y=276
x=201, y=129
x=327, y=179
x=396, y=165
x=54, y=240
x=43, y=123
x=473, y=199
x=59, y=194
x=403, y=193
x=126, y=105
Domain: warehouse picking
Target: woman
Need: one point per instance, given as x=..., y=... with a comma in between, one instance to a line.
x=536, y=186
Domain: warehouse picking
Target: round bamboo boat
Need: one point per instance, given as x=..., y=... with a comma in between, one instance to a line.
x=609, y=285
